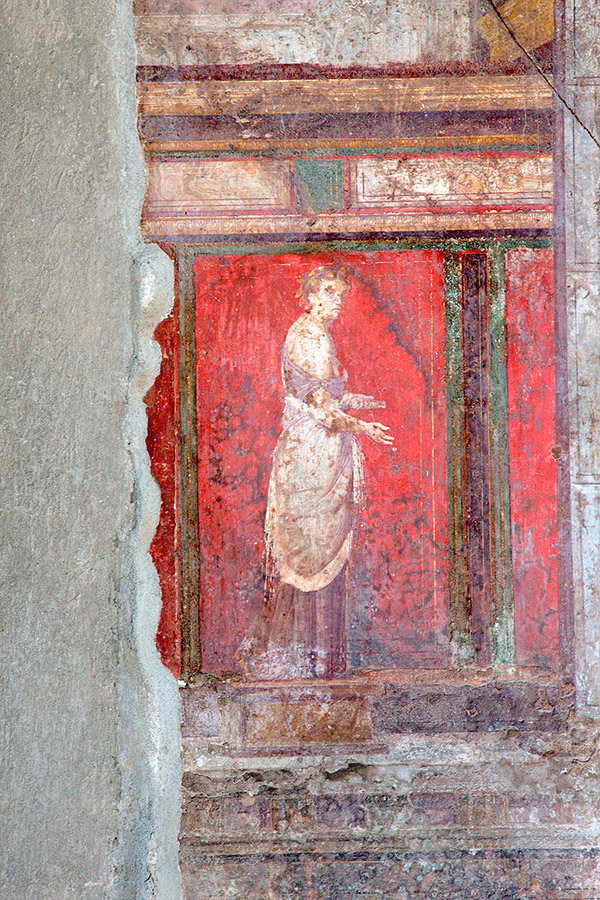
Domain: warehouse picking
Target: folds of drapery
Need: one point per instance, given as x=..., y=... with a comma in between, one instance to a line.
x=315, y=483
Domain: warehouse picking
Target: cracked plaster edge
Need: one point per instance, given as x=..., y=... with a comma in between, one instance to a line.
x=148, y=698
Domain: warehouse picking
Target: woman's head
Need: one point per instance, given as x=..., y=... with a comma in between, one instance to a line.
x=323, y=290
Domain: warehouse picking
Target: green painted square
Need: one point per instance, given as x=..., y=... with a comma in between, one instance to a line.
x=319, y=185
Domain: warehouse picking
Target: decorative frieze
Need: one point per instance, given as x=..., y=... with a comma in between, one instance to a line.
x=196, y=197
x=192, y=187
x=450, y=181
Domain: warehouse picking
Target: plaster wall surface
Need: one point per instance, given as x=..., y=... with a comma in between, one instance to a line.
x=89, y=737
x=583, y=280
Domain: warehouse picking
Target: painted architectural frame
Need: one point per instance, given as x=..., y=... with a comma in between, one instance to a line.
x=448, y=188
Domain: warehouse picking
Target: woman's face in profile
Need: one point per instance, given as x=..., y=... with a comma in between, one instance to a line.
x=327, y=300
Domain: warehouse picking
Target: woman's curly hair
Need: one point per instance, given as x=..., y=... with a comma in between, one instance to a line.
x=312, y=281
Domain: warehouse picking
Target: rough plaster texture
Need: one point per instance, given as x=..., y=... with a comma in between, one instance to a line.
x=582, y=252
x=90, y=755
x=505, y=807
x=317, y=32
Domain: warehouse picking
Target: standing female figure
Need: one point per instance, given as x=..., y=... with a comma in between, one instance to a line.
x=314, y=491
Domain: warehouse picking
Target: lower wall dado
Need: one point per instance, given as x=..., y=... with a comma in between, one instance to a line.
x=271, y=718
x=493, y=875
x=504, y=807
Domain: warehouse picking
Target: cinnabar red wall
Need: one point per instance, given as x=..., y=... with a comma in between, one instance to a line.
x=390, y=338
x=531, y=352
x=162, y=443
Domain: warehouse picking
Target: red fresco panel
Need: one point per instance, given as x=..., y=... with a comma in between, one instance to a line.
x=390, y=338
x=162, y=441
x=533, y=470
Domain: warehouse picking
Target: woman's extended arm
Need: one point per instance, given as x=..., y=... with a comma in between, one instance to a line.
x=360, y=401
x=311, y=348
x=327, y=411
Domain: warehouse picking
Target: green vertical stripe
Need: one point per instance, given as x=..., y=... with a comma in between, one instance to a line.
x=503, y=638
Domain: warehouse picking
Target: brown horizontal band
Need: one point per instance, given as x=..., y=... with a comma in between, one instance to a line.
x=249, y=145
x=344, y=223
x=368, y=95
x=305, y=71
x=339, y=128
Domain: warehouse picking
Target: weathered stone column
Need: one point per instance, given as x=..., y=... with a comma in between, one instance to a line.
x=581, y=90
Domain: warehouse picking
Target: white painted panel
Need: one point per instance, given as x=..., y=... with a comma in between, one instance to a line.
x=586, y=547
x=188, y=186
x=450, y=181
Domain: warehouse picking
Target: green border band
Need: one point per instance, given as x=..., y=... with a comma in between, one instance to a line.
x=259, y=246
x=503, y=637
x=461, y=644
x=341, y=152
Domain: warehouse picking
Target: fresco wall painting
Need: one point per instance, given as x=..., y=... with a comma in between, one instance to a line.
x=426, y=742
x=238, y=339
x=430, y=194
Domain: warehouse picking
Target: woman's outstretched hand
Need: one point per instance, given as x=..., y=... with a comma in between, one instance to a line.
x=378, y=432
